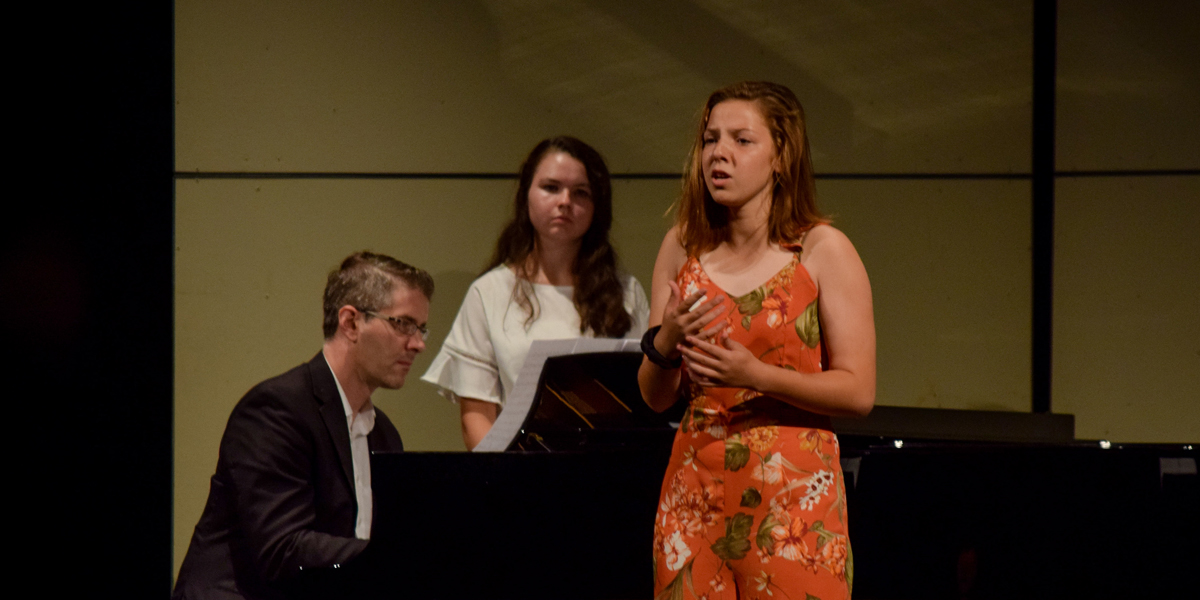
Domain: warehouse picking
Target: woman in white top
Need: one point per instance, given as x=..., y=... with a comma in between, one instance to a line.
x=553, y=276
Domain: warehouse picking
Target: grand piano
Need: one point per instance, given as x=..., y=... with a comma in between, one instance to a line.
x=942, y=504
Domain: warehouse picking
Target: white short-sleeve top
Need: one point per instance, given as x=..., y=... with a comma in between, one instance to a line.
x=487, y=344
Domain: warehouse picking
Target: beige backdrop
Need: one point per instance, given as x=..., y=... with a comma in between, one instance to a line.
x=893, y=87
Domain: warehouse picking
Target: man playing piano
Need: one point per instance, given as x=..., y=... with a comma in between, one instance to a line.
x=292, y=490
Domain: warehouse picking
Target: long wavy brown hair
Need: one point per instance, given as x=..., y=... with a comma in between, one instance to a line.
x=704, y=224
x=599, y=296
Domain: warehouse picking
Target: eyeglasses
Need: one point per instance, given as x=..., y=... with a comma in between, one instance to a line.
x=402, y=325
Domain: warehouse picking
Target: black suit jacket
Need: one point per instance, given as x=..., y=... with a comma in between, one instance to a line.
x=282, y=498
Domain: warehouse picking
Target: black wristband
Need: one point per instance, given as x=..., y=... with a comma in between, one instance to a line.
x=652, y=353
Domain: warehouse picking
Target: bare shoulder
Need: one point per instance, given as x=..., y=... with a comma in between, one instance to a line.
x=826, y=248
x=826, y=241
x=671, y=254
x=825, y=236
x=671, y=240
x=671, y=257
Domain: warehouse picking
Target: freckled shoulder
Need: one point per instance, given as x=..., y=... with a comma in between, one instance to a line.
x=671, y=258
x=671, y=255
x=824, y=245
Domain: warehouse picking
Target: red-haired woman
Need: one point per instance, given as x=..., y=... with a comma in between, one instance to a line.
x=554, y=275
x=761, y=317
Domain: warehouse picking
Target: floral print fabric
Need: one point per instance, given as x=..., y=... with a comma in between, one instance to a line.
x=753, y=503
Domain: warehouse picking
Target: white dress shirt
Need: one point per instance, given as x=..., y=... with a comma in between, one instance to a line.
x=360, y=425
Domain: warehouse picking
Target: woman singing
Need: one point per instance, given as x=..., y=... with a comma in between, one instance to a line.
x=762, y=320
x=554, y=275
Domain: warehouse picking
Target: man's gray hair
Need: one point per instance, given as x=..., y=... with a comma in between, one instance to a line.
x=365, y=281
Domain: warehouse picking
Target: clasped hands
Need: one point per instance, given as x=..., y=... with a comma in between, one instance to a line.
x=710, y=356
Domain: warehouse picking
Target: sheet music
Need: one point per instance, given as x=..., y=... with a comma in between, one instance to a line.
x=508, y=424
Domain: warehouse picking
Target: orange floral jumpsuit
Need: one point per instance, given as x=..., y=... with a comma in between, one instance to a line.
x=753, y=504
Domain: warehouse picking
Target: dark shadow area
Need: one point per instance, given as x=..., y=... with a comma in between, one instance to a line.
x=675, y=25
x=86, y=266
x=969, y=520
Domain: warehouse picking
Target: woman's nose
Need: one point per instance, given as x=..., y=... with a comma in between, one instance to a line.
x=720, y=149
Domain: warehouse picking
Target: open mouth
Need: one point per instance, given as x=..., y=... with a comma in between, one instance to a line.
x=719, y=176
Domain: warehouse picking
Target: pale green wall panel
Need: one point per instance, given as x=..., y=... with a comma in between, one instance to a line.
x=465, y=86
x=949, y=268
x=1128, y=90
x=1127, y=308
x=941, y=86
